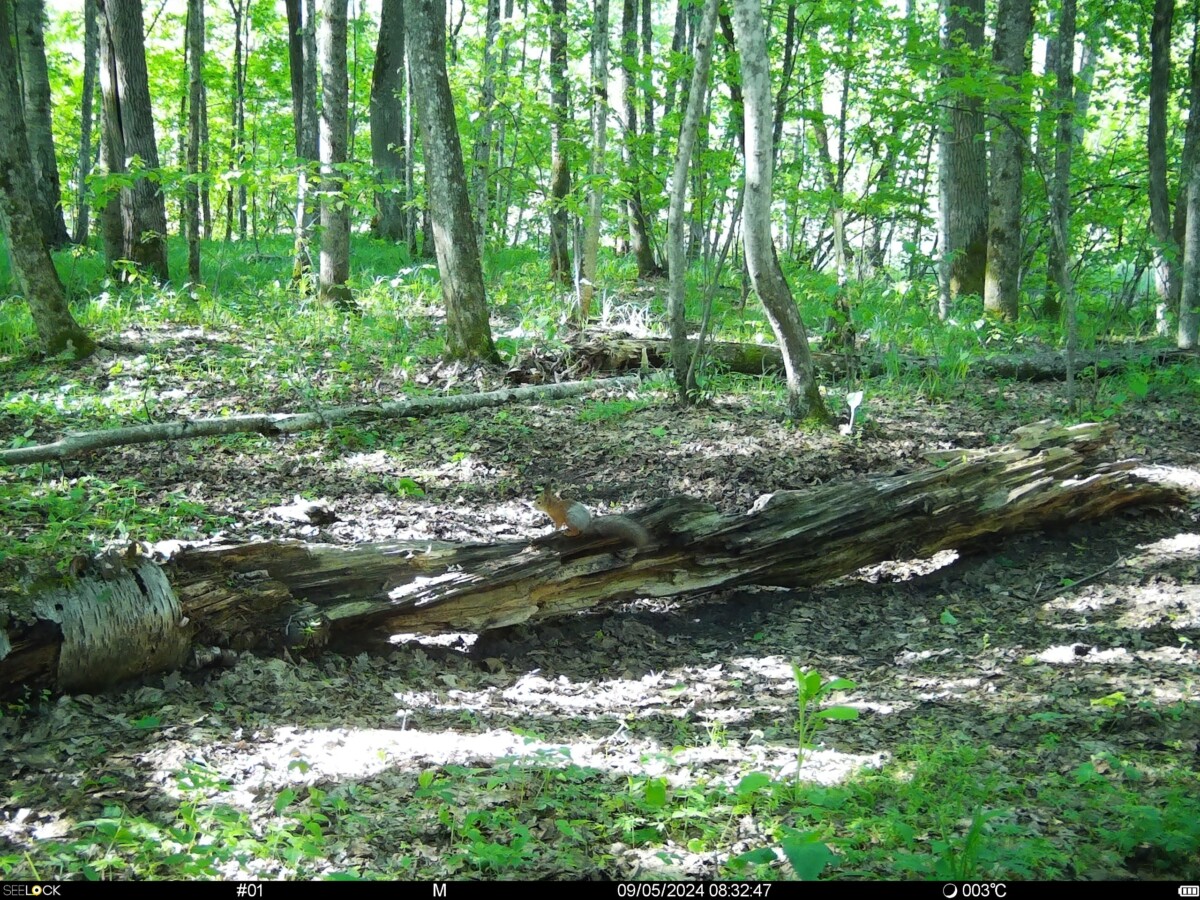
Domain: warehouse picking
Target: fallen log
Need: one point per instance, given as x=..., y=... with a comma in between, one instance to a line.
x=605, y=352
x=135, y=614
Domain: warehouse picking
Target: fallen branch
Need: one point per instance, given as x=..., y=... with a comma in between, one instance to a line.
x=273, y=424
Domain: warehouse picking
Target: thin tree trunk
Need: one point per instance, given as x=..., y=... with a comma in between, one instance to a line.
x=484, y=149
x=596, y=167
x=195, y=67
x=804, y=397
x=302, y=58
x=1058, y=192
x=639, y=230
x=1164, y=249
x=560, y=171
x=1189, y=301
x=91, y=61
x=676, y=251
x=335, y=216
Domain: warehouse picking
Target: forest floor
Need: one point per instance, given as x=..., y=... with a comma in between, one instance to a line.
x=1026, y=712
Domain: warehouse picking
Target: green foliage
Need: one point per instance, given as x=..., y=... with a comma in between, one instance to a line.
x=810, y=690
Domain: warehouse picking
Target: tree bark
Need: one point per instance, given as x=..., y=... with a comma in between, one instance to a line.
x=962, y=160
x=126, y=615
x=1010, y=146
x=804, y=396
x=195, y=68
x=596, y=166
x=30, y=17
x=468, y=332
x=86, y=114
x=302, y=62
x=237, y=193
x=484, y=142
x=335, y=214
x=639, y=227
x=128, y=113
x=36, y=278
x=677, y=267
x=1164, y=249
x=560, y=169
x=388, y=149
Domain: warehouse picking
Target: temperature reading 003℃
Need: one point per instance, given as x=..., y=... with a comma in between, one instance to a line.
x=975, y=890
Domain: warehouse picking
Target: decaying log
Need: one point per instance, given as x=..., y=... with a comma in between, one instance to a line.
x=604, y=352
x=272, y=424
x=142, y=616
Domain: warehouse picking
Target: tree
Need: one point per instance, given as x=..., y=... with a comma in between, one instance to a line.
x=302, y=63
x=639, y=227
x=30, y=16
x=676, y=247
x=388, y=149
x=335, y=216
x=1164, y=248
x=195, y=67
x=57, y=330
x=560, y=169
x=962, y=158
x=129, y=134
x=468, y=333
x=484, y=141
x=91, y=60
x=1010, y=145
x=804, y=397
x=237, y=148
x=596, y=166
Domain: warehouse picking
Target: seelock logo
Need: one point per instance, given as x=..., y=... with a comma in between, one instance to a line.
x=31, y=890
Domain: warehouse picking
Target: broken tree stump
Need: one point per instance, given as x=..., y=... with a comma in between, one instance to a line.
x=141, y=615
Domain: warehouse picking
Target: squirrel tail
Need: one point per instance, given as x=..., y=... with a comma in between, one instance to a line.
x=621, y=527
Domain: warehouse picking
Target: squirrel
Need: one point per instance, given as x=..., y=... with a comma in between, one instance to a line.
x=578, y=521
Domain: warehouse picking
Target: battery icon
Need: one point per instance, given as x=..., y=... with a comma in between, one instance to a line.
x=1189, y=890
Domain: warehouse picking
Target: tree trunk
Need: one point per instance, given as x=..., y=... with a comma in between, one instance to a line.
x=677, y=267
x=128, y=112
x=484, y=142
x=468, y=333
x=387, y=123
x=804, y=396
x=962, y=160
x=237, y=194
x=596, y=166
x=195, y=68
x=302, y=60
x=1164, y=248
x=1058, y=191
x=126, y=615
x=30, y=16
x=1010, y=146
x=86, y=114
x=1189, y=307
x=560, y=171
x=639, y=228
x=335, y=214
x=36, y=278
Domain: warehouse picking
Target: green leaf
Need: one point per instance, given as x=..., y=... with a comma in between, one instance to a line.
x=807, y=856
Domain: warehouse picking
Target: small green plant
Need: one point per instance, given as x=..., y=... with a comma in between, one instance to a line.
x=810, y=690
